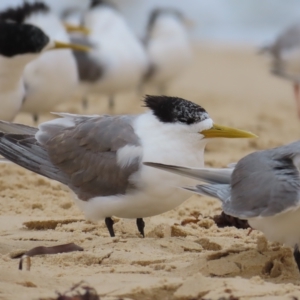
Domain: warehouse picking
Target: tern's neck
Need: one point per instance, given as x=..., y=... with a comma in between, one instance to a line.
x=169, y=143
x=11, y=69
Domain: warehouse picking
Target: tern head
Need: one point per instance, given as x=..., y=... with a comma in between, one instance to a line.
x=167, y=21
x=17, y=39
x=187, y=116
x=96, y=3
x=19, y=14
x=39, y=14
x=21, y=39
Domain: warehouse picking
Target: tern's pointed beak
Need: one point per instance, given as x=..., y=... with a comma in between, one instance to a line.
x=77, y=47
x=226, y=132
x=74, y=28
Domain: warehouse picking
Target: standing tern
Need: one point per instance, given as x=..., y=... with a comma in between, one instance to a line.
x=99, y=157
x=118, y=60
x=263, y=188
x=52, y=77
x=285, y=55
x=19, y=45
x=168, y=47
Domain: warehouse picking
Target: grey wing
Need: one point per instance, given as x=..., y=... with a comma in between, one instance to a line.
x=89, y=68
x=81, y=152
x=87, y=153
x=210, y=175
x=219, y=191
x=264, y=183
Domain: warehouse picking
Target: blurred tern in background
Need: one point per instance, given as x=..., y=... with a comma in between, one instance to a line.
x=100, y=157
x=118, y=60
x=285, y=55
x=19, y=45
x=52, y=77
x=263, y=188
x=168, y=47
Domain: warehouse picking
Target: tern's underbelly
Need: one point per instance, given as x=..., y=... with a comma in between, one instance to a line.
x=283, y=227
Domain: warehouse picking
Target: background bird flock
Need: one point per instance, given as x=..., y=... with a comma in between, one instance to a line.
x=83, y=58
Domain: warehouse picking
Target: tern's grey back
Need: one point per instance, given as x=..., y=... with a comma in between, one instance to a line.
x=265, y=182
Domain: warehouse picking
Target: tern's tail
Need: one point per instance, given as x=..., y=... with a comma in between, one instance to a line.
x=18, y=145
x=219, y=191
x=210, y=175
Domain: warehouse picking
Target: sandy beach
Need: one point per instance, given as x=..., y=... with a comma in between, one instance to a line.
x=193, y=259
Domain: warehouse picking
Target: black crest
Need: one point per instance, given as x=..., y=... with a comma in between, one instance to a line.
x=20, y=39
x=20, y=13
x=95, y=3
x=174, y=109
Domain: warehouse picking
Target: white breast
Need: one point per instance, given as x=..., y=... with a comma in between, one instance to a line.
x=283, y=227
x=157, y=191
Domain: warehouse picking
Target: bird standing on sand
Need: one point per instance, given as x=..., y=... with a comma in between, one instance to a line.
x=168, y=47
x=263, y=188
x=118, y=60
x=51, y=78
x=100, y=157
x=285, y=55
x=19, y=45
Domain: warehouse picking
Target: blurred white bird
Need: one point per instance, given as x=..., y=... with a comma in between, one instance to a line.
x=118, y=60
x=168, y=47
x=19, y=45
x=285, y=55
x=52, y=77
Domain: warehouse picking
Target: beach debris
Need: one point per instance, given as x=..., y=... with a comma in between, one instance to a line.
x=48, y=224
x=71, y=247
x=224, y=220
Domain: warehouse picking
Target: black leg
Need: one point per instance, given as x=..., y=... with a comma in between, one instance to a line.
x=109, y=224
x=35, y=118
x=140, y=225
x=297, y=256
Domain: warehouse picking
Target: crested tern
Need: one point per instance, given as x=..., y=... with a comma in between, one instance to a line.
x=52, y=77
x=168, y=47
x=19, y=45
x=99, y=157
x=262, y=188
x=285, y=55
x=117, y=61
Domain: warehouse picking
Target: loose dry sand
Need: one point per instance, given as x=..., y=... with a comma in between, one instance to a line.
x=173, y=261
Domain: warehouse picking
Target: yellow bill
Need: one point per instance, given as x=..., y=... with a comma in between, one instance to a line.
x=218, y=131
x=77, y=47
x=74, y=28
